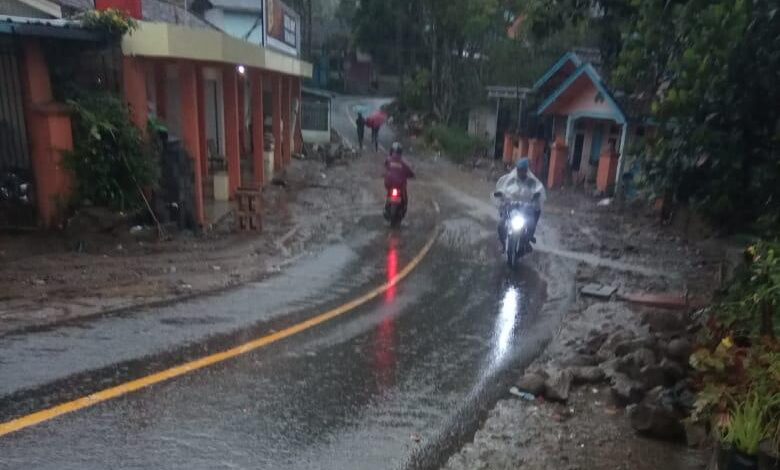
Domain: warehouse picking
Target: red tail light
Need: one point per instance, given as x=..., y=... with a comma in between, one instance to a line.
x=394, y=193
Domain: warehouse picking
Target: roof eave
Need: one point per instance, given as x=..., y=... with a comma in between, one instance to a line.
x=595, y=78
x=556, y=67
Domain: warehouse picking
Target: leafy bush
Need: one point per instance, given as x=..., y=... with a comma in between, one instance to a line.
x=110, y=160
x=748, y=424
x=111, y=21
x=454, y=143
x=752, y=305
x=417, y=93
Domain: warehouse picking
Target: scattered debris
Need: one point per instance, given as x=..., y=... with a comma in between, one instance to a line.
x=522, y=395
x=558, y=385
x=672, y=301
x=605, y=202
x=599, y=291
x=532, y=383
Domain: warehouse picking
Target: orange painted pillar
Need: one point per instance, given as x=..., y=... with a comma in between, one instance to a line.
x=297, y=95
x=607, y=172
x=558, y=162
x=230, y=85
x=516, y=149
x=286, y=118
x=161, y=88
x=201, y=97
x=276, y=97
x=190, y=129
x=508, y=147
x=536, y=155
x=258, y=129
x=134, y=81
x=50, y=134
x=524, y=147
x=242, y=117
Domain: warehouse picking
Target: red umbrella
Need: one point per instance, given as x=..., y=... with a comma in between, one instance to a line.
x=376, y=119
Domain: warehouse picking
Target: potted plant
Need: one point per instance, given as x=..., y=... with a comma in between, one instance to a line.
x=744, y=429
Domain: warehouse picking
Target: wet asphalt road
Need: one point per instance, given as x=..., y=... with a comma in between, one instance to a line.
x=398, y=382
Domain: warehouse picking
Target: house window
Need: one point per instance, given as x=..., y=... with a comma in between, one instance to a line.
x=614, y=130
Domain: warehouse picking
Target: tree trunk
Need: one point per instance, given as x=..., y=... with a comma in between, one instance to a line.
x=399, y=53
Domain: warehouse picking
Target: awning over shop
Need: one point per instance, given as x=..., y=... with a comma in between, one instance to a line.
x=56, y=28
x=168, y=41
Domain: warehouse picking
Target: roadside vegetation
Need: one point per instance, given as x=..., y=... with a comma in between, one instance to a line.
x=706, y=65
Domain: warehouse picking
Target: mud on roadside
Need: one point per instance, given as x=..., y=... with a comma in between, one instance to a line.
x=44, y=279
x=591, y=429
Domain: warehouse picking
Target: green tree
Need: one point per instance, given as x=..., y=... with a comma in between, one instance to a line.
x=710, y=67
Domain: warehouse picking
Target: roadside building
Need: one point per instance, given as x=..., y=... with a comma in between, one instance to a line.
x=230, y=93
x=576, y=129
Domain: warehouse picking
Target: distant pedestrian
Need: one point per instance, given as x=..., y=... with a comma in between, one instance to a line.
x=375, y=137
x=375, y=122
x=360, y=123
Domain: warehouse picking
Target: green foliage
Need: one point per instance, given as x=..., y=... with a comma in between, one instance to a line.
x=416, y=95
x=110, y=160
x=733, y=380
x=454, y=143
x=748, y=424
x=711, y=66
x=607, y=21
x=111, y=21
x=752, y=305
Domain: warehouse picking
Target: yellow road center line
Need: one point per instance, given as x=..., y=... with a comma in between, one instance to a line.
x=138, y=384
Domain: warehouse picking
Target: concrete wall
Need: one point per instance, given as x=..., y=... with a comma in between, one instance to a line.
x=483, y=120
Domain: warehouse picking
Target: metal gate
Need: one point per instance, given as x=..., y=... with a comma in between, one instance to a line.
x=16, y=191
x=13, y=135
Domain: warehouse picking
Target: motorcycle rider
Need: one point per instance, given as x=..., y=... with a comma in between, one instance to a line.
x=520, y=185
x=397, y=172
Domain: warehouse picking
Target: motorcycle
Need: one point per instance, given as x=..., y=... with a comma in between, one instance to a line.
x=516, y=220
x=395, y=206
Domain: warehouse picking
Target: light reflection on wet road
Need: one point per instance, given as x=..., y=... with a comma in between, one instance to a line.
x=397, y=383
x=355, y=393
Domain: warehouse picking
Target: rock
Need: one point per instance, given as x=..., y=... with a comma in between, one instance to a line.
x=679, y=348
x=627, y=347
x=653, y=376
x=531, y=383
x=633, y=363
x=607, y=349
x=672, y=369
x=625, y=390
x=579, y=360
x=655, y=421
x=642, y=357
x=594, y=342
x=610, y=367
x=558, y=385
x=665, y=321
x=587, y=374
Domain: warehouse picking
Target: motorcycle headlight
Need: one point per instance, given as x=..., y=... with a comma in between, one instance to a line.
x=517, y=222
